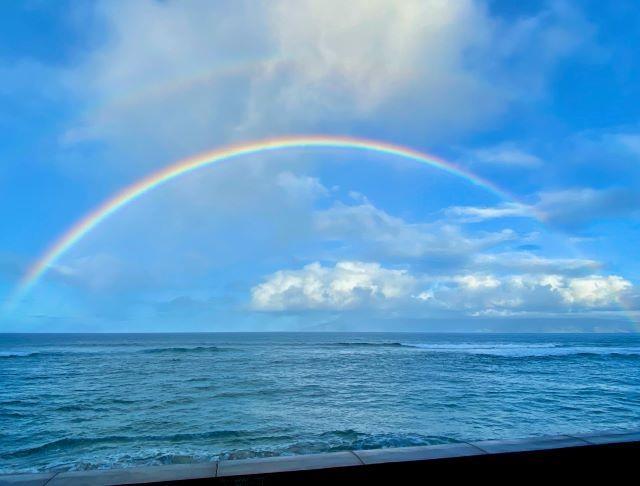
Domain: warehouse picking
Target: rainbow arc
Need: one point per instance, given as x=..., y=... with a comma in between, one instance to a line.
x=133, y=192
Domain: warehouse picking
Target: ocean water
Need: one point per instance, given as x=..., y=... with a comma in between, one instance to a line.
x=118, y=400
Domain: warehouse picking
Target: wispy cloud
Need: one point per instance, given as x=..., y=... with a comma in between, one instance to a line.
x=575, y=208
x=569, y=209
x=506, y=155
x=392, y=236
x=472, y=214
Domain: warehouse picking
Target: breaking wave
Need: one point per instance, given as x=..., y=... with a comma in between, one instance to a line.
x=528, y=350
x=195, y=349
x=108, y=350
x=176, y=448
x=368, y=345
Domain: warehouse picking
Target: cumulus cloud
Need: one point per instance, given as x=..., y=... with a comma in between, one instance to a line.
x=552, y=293
x=353, y=285
x=479, y=279
x=594, y=291
x=346, y=285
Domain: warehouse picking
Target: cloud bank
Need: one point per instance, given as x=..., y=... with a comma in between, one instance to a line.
x=368, y=285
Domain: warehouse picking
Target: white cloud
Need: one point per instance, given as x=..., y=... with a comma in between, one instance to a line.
x=453, y=63
x=472, y=214
x=346, y=285
x=353, y=57
x=358, y=285
x=595, y=291
x=483, y=294
x=478, y=281
x=170, y=78
x=166, y=79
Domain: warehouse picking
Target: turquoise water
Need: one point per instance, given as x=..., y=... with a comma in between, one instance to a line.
x=100, y=401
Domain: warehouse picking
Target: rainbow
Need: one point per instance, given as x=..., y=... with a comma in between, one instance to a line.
x=182, y=167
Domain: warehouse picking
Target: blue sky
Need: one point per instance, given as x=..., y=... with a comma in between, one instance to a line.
x=542, y=98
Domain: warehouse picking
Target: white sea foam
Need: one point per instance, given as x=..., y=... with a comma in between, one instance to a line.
x=14, y=354
x=525, y=349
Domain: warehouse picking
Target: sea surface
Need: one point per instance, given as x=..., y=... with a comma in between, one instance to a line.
x=117, y=400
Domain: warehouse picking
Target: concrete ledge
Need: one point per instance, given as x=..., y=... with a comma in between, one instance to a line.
x=617, y=449
x=39, y=479
x=610, y=437
x=424, y=453
x=136, y=475
x=281, y=464
x=525, y=445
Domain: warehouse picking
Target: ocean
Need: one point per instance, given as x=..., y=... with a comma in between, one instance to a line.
x=72, y=401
